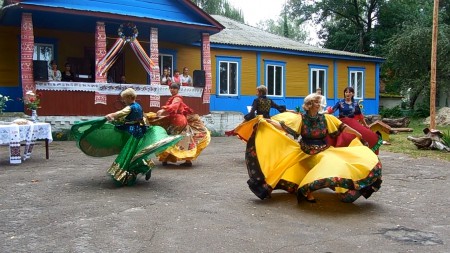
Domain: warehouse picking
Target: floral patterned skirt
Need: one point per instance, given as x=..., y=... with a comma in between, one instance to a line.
x=275, y=161
x=196, y=137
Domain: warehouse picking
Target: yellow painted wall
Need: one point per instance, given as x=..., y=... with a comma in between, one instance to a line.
x=191, y=57
x=9, y=60
x=297, y=71
x=65, y=43
x=369, y=77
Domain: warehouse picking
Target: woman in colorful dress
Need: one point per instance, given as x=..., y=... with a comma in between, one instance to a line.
x=127, y=136
x=350, y=114
x=276, y=160
x=179, y=119
x=260, y=108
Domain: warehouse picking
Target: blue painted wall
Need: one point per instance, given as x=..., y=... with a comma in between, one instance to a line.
x=239, y=104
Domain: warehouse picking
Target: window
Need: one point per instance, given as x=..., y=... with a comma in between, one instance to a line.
x=317, y=78
x=43, y=52
x=166, y=61
x=228, y=75
x=274, y=78
x=356, y=80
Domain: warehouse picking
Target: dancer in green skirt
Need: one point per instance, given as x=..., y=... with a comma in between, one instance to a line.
x=124, y=133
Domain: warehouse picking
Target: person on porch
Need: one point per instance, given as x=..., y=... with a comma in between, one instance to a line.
x=67, y=74
x=53, y=73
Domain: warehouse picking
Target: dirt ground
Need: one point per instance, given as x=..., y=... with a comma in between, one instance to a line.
x=69, y=204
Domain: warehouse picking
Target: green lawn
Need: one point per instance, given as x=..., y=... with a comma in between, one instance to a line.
x=399, y=143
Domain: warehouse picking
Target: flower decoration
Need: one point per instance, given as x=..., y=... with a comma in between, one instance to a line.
x=32, y=100
x=128, y=32
x=3, y=100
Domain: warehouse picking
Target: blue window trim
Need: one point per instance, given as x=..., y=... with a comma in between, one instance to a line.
x=236, y=59
x=335, y=81
x=320, y=67
x=283, y=84
x=258, y=69
x=363, y=70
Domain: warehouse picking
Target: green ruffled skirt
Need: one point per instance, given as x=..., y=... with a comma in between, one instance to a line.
x=99, y=138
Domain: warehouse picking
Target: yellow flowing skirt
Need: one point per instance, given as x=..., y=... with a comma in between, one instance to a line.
x=276, y=159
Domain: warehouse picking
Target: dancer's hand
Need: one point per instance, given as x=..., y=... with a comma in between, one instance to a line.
x=110, y=117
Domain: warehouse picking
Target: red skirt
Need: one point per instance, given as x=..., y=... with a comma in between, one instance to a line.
x=344, y=139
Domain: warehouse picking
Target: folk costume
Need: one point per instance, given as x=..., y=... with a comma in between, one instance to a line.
x=350, y=114
x=179, y=119
x=128, y=137
x=260, y=108
x=276, y=160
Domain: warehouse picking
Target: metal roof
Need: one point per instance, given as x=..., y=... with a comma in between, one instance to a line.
x=177, y=20
x=245, y=36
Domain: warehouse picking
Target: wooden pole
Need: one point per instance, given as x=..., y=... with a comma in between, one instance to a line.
x=433, y=66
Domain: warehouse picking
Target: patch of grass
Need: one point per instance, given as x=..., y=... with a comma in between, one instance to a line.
x=399, y=143
x=216, y=134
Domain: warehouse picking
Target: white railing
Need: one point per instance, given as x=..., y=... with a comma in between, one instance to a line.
x=115, y=88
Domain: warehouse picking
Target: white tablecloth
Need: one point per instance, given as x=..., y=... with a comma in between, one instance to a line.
x=13, y=134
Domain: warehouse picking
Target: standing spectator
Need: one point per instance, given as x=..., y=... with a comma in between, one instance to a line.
x=67, y=74
x=186, y=79
x=123, y=79
x=166, y=79
x=323, y=101
x=176, y=77
x=53, y=73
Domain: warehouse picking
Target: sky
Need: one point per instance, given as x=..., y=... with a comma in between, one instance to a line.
x=259, y=10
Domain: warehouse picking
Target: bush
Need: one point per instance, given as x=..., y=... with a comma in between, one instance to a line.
x=422, y=111
x=446, y=138
x=395, y=112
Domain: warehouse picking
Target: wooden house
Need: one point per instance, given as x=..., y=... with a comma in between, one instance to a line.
x=230, y=58
x=244, y=57
x=101, y=40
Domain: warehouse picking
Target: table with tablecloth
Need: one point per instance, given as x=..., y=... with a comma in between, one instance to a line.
x=13, y=134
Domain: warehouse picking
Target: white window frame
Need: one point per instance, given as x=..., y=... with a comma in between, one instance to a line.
x=161, y=63
x=222, y=92
x=315, y=71
x=41, y=57
x=356, y=81
x=271, y=91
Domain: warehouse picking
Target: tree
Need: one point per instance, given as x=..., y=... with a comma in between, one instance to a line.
x=284, y=26
x=279, y=26
x=408, y=60
x=220, y=7
x=344, y=22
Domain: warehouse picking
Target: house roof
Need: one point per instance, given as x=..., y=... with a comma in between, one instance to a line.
x=385, y=127
x=242, y=35
x=172, y=17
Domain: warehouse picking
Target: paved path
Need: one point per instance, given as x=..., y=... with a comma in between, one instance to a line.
x=69, y=204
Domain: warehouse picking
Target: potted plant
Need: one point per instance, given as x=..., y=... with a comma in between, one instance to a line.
x=3, y=101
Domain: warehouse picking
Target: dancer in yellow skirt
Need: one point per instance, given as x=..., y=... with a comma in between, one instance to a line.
x=179, y=119
x=277, y=160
